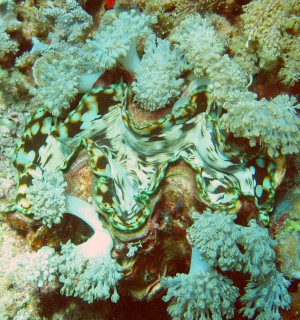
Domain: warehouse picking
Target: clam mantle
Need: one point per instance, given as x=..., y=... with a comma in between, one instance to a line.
x=129, y=161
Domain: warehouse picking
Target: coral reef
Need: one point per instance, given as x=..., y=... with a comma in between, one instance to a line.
x=227, y=84
x=17, y=300
x=272, y=28
x=170, y=12
x=89, y=263
x=116, y=125
x=7, y=45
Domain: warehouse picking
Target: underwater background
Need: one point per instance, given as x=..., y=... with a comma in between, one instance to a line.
x=149, y=159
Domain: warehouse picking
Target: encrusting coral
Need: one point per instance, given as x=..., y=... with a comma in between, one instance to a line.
x=199, y=114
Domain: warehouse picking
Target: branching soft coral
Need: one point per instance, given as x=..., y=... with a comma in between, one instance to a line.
x=266, y=297
x=204, y=51
x=68, y=68
x=198, y=41
x=57, y=77
x=201, y=294
x=274, y=124
x=219, y=239
x=40, y=267
x=290, y=71
x=46, y=195
x=96, y=276
x=117, y=41
x=87, y=270
x=157, y=81
x=220, y=243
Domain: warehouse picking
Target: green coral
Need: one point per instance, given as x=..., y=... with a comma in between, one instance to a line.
x=291, y=226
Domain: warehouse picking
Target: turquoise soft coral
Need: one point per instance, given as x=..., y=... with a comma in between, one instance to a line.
x=87, y=271
x=208, y=294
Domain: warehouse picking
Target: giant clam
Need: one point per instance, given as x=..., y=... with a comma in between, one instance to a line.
x=127, y=166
